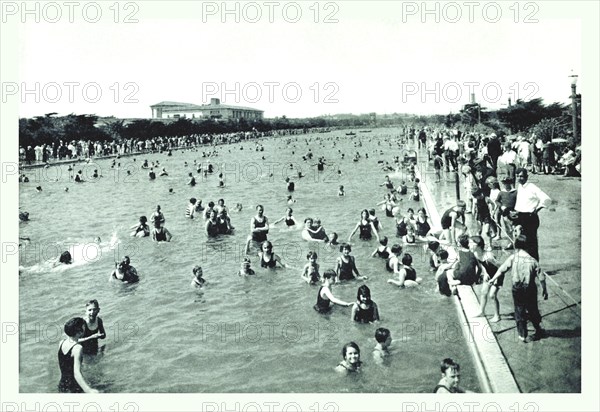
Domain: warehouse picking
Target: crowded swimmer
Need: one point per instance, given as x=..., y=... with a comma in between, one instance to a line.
x=124, y=272
x=313, y=231
x=310, y=273
x=268, y=259
x=141, y=229
x=345, y=267
x=94, y=328
x=259, y=228
x=198, y=281
x=351, y=362
x=381, y=352
x=288, y=218
x=325, y=298
x=70, y=359
x=364, y=310
x=245, y=269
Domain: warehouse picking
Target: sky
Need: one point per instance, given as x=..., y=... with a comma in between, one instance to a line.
x=298, y=59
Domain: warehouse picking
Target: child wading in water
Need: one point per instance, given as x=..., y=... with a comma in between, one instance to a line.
x=94, y=328
x=324, y=297
x=384, y=340
x=198, y=281
x=310, y=272
x=364, y=310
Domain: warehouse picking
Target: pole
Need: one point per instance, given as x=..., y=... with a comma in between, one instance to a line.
x=457, y=185
x=574, y=104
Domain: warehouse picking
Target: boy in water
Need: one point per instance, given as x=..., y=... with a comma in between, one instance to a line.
x=245, y=269
x=381, y=350
x=198, y=281
x=450, y=378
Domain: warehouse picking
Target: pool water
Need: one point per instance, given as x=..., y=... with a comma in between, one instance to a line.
x=258, y=334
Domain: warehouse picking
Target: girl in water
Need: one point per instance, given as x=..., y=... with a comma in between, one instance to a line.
x=407, y=275
x=351, y=356
x=69, y=359
x=324, y=297
x=198, y=281
x=422, y=223
x=366, y=226
x=288, y=218
x=387, y=205
x=310, y=273
x=141, y=229
x=94, y=328
x=245, y=270
x=268, y=259
x=382, y=251
x=364, y=310
x=346, y=266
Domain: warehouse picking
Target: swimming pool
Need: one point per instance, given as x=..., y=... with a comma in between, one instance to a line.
x=236, y=335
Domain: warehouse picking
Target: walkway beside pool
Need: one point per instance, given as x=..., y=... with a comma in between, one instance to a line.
x=552, y=364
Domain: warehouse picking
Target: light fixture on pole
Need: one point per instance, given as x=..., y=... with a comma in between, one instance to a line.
x=574, y=104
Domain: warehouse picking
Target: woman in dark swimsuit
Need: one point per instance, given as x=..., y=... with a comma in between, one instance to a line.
x=346, y=267
x=366, y=227
x=69, y=359
x=422, y=224
x=364, y=310
x=268, y=259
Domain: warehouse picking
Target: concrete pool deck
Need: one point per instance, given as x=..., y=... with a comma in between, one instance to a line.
x=552, y=364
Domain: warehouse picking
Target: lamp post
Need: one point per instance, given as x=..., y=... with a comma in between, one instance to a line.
x=574, y=104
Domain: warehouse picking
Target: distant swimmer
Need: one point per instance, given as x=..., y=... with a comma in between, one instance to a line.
x=192, y=180
x=198, y=281
x=163, y=172
x=79, y=177
x=288, y=218
x=245, y=269
x=341, y=191
x=38, y=189
x=157, y=216
x=124, y=272
x=141, y=229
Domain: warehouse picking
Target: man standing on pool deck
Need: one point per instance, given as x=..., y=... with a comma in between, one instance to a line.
x=524, y=269
x=530, y=199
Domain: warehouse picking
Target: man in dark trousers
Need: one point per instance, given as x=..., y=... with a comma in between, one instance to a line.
x=524, y=270
x=530, y=200
x=494, y=150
